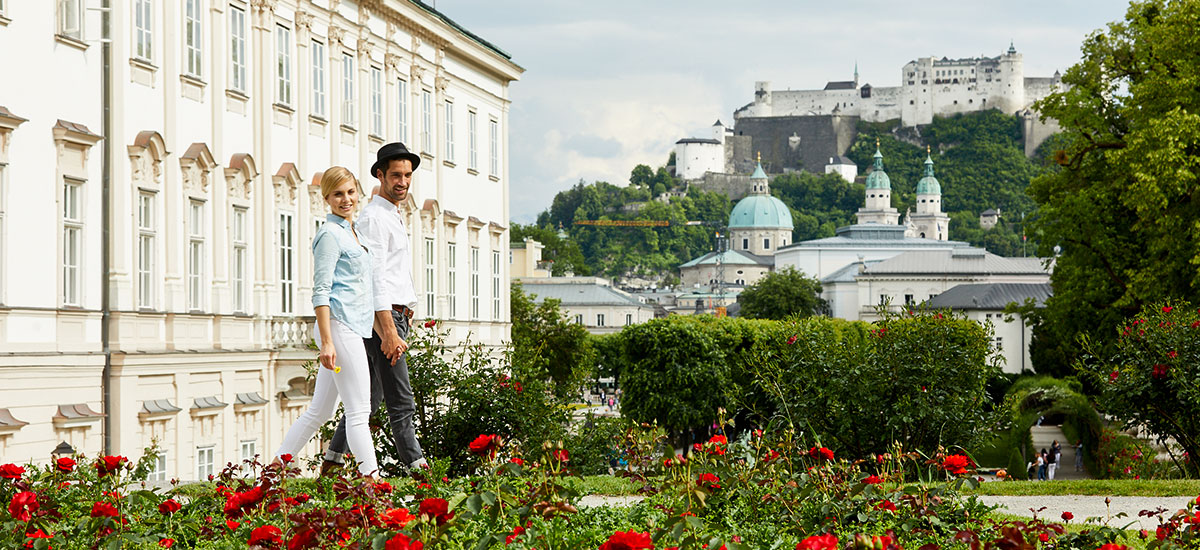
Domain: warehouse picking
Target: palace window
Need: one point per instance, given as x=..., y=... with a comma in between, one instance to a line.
x=145, y=250
x=402, y=110
x=426, y=121
x=628, y=319
x=240, y=260
x=143, y=33
x=249, y=449
x=287, y=251
x=195, y=256
x=451, y=273
x=908, y=300
x=283, y=65
x=495, y=285
x=158, y=469
x=494, y=146
x=579, y=319
x=72, y=241
x=472, y=146
x=745, y=244
x=430, y=279
x=204, y=462
x=193, y=39
x=474, y=282
x=376, y=101
x=237, y=49
x=347, y=89
x=449, y=153
x=767, y=244
x=70, y=18
x=599, y=319
x=318, y=78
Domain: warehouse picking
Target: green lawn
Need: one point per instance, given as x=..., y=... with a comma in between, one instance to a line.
x=1094, y=487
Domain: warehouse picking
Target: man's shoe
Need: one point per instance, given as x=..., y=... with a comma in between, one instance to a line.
x=329, y=467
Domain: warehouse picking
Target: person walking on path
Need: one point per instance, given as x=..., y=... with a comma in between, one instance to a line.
x=1052, y=459
x=341, y=298
x=382, y=229
x=1041, y=465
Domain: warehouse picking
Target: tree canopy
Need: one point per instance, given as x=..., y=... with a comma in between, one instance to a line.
x=1124, y=204
x=781, y=294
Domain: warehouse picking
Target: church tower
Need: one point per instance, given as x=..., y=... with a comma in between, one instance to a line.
x=759, y=223
x=930, y=221
x=878, y=208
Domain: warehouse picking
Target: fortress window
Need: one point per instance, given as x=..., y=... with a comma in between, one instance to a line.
x=910, y=102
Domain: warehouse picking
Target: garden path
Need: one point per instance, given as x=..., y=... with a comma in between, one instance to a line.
x=1084, y=507
x=1043, y=436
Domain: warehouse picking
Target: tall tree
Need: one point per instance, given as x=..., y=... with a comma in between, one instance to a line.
x=1125, y=203
x=781, y=294
x=546, y=344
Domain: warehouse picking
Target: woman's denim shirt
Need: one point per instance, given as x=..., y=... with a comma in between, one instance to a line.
x=342, y=276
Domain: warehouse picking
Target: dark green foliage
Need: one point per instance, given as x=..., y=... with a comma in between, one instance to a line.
x=564, y=253
x=817, y=200
x=781, y=294
x=920, y=380
x=595, y=443
x=1058, y=400
x=1016, y=465
x=1125, y=206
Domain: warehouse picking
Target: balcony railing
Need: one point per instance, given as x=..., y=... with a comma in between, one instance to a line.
x=291, y=332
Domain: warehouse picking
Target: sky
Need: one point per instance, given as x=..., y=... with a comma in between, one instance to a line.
x=613, y=84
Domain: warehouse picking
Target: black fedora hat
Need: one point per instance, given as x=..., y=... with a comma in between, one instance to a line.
x=391, y=151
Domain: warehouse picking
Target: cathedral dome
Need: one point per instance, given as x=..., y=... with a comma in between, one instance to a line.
x=878, y=179
x=928, y=185
x=760, y=211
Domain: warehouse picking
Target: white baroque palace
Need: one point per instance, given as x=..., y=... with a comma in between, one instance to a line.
x=158, y=163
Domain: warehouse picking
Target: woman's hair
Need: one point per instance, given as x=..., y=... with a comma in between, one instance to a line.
x=334, y=177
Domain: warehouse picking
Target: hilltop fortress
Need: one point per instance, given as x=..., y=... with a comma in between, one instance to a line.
x=811, y=129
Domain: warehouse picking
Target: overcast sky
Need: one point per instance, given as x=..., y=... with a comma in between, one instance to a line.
x=609, y=85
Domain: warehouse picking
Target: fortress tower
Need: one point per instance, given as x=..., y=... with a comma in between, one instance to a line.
x=878, y=208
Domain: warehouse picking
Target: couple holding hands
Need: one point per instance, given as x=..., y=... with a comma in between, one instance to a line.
x=363, y=297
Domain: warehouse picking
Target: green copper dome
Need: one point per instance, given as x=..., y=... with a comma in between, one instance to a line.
x=760, y=211
x=929, y=185
x=878, y=179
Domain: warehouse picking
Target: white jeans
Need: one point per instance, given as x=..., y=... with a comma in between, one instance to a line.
x=353, y=386
x=1050, y=468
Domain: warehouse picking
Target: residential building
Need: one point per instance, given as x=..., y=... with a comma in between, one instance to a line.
x=985, y=303
x=591, y=301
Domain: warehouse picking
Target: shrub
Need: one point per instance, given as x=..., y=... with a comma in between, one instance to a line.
x=1150, y=378
x=595, y=443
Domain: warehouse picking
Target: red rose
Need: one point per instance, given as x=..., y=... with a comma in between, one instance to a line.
x=820, y=453
x=304, y=538
x=710, y=481
x=517, y=461
x=562, y=455
x=402, y=542
x=11, y=471
x=956, y=464
x=484, y=445
x=1112, y=377
x=104, y=510
x=251, y=497
x=65, y=464
x=1172, y=354
x=1160, y=371
x=818, y=542
x=166, y=543
x=1044, y=537
x=435, y=509
x=23, y=505
x=285, y=457
x=1068, y=516
x=886, y=505
x=872, y=480
x=1167, y=309
x=232, y=524
x=302, y=498
x=397, y=518
x=109, y=464
x=516, y=533
x=628, y=540
x=168, y=507
x=266, y=535
x=771, y=455
x=793, y=339
x=430, y=323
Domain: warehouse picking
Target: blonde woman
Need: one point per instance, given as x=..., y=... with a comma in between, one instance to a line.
x=342, y=301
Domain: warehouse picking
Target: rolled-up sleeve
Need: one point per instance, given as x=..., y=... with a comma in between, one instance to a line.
x=376, y=238
x=325, y=257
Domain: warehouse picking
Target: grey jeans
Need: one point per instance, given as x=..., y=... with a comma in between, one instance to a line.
x=388, y=383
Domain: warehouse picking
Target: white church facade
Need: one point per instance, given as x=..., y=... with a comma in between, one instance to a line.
x=155, y=268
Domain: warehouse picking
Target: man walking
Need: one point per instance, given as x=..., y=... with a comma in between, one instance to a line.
x=381, y=231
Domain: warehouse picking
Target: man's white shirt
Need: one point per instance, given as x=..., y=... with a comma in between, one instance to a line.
x=381, y=229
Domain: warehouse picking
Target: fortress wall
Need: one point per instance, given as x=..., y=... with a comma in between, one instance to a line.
x=798, y=142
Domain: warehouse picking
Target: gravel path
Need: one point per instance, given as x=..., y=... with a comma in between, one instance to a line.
x=1089, y=506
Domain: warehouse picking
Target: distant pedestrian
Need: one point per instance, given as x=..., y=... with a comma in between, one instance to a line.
x=1041, y=465
x=1052, y=460
x=1039, y=420
x=1078, y=455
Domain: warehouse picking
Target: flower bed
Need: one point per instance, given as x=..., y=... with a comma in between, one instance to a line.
x=766, y=490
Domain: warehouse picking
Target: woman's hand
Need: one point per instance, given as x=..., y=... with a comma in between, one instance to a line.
x=328, y=356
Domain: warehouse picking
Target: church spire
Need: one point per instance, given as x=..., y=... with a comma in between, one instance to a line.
x=855, y=73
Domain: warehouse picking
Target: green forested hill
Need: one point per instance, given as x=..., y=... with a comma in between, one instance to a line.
x=978, y=159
